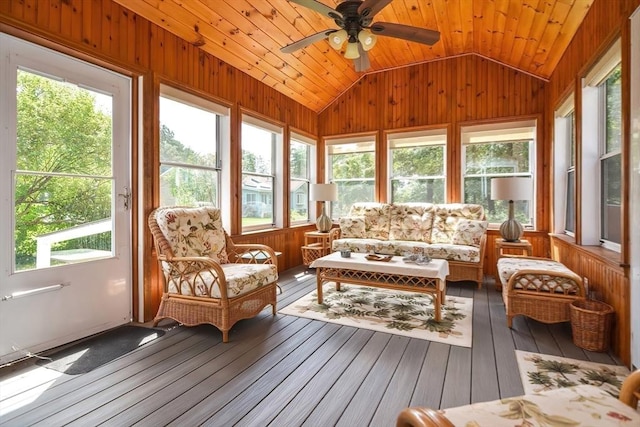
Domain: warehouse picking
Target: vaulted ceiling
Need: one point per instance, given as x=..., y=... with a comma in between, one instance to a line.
x=529, y=35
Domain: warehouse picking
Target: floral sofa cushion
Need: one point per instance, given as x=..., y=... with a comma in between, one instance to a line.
x=469, y=232
x=194, y=232
x=446, y=251
x=241, y=278
x=411, y=221
x=352, y=227
x=376, y=218
x=446, y=218
x=583, y=405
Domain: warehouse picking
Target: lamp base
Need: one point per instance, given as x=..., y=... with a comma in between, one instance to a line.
x=511, y=230
x=324, y=223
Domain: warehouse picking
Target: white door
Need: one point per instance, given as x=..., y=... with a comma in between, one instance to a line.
x=65, y=256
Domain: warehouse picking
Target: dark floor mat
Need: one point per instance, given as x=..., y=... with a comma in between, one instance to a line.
x=90, y=353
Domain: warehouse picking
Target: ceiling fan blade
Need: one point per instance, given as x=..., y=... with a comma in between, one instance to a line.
x=319, y=7
x=369, y=8
x=362, y=63
x=290, y=48
x=406, y=32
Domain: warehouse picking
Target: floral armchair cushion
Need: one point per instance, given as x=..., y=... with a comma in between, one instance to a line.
x=469, y=232
x=194, y=232
x=352, y=227
x=446, y=219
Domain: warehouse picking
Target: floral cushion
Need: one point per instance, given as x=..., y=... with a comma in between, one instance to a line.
x=583, y=405
x=352, y=227
x=376, y=218
x=403, y=247
x=469, y=232
x=194, y=232
x=446, y=218
x=241, y=278
x=543, y=280
x=411, y=221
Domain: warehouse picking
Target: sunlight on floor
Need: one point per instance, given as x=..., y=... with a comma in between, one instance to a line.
x=25, y=387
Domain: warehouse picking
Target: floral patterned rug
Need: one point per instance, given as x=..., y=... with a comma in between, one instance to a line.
x=541, y=372
x=396, y=312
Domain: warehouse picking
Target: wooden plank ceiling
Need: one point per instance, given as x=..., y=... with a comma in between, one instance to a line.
x=529, y=35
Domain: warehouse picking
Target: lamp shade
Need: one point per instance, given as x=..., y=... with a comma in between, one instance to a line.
x=511, y=188
x=351, y=52
x=337, y=39
x=367, y=39
x=324, y=192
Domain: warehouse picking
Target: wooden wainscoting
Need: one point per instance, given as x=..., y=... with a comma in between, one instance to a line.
x=607, y=282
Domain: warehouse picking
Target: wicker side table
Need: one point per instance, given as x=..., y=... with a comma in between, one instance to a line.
x=316, y=245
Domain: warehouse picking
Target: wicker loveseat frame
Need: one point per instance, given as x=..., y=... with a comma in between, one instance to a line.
x=201, y=292
x=539, y=288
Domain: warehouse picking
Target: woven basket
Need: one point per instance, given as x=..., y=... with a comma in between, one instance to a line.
x=591, y=324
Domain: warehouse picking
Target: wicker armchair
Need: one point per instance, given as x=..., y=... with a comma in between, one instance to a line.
x=208, y=278
x=540, y=288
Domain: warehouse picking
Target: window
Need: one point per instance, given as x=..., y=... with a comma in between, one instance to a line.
x=610, y=157
x=301, y=162
x=564, y=168
x=191, y=134
x=260, y=143
x=570, y=206
x=498, y=150
x=601, y=152
x=417, y=166
x=351, y=165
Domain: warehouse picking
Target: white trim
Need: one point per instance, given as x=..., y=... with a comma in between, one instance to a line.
x=605, y=65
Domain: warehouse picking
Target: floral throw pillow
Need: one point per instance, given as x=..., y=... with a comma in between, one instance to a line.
x=469, y=232
x=352, y=227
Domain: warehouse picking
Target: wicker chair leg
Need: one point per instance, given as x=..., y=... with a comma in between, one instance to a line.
x=509, y=321
x=225, y=336
x=273, y=309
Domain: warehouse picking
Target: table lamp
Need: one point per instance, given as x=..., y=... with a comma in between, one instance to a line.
x=511, y=188
x=324, y=193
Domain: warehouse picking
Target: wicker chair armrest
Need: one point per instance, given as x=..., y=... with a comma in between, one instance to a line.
x=630, y=391
x=252, y=253
x=533, y=280
x=422, y=417
x=180, y=268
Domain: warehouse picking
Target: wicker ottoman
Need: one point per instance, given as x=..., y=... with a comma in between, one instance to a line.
x=540, y=288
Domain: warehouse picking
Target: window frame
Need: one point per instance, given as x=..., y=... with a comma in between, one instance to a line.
x=310, y=142
x=525, y=129
x=409, y=139
x=365, y=143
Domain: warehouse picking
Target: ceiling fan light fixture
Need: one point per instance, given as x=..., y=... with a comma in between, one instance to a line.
x=337, y=39
x=352, y=51
x=367, y=39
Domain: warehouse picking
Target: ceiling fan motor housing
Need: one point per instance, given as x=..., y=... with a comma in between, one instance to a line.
x=352, y=21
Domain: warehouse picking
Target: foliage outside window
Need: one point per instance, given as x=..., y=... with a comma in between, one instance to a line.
x=417, y=167
x=258, y=175
x=610, y=159
x=495, y=151
x=351, y=166
x=300, y=159
x=63, y=176
x=189, y=151
x=570, y=210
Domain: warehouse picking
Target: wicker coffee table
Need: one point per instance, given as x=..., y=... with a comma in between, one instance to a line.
x=394, y=274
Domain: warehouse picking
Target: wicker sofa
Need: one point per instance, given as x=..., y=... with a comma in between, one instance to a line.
x=455, y=232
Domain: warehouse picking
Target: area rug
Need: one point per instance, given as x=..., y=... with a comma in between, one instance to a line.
x=86, y=355
x=409, y=314
x=541, y=372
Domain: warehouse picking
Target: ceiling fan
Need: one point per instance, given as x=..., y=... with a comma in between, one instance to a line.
x=354, y=19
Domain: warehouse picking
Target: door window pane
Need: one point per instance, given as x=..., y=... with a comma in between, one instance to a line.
x=63, y=182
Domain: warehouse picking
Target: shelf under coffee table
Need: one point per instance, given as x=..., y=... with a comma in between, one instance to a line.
x=394, y=274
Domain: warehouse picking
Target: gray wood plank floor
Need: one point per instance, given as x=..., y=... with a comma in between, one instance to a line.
x=287, y=371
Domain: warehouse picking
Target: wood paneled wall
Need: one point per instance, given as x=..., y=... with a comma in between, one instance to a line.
x=539, y=242
x=106, y=33
x=449, y=91
x=607, y=272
